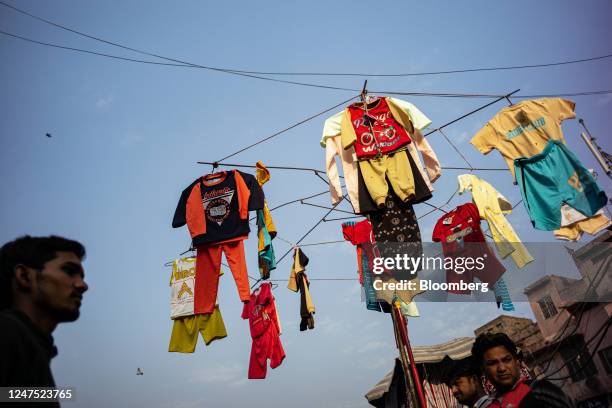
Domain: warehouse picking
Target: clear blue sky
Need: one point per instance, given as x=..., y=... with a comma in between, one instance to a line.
x=126, y=138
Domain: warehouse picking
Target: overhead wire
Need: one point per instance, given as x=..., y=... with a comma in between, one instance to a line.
x=182, y=64
x=603, y=330
x=308, y=169
x=289, y=128
x=322, y=86
x=427, y=73
x=251, y=72
x=472, y=112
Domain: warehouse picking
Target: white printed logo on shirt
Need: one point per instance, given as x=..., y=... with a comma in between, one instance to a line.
x=217, y=208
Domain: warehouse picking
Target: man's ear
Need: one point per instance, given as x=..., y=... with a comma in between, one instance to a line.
x=24, y=277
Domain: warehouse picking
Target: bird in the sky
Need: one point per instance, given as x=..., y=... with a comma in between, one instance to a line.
x=48, y=134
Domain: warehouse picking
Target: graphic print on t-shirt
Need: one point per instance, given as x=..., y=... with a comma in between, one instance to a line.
x=217, y=204
x=185, y=289
x=376, y=130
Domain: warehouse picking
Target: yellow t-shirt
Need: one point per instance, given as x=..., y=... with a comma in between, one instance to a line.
x=524, y=129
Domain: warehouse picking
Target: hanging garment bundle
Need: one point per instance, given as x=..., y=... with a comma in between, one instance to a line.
x=492, y=207
x=298, y=281
x=265, y=329
x=396, y=231
x=360, y=234
x=266, y=230
x=461, y=237
x=529, y=137
x=216, y=208
x=186, y=325
x=384, y=128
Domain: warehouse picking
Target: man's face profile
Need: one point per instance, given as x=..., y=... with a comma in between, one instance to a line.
x=58, y=288
x=464, y=388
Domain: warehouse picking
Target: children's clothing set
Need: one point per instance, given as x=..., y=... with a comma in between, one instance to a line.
x=380, y=145
x=361, y=135
x=186, y=325
x=216, y=209
x=529, y=137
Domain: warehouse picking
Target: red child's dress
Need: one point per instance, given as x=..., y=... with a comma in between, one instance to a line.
x=265, y=331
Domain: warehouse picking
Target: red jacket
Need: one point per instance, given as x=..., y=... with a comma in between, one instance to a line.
x=513, y=398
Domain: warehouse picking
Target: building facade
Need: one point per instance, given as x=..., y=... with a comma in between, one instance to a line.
x=574, y=317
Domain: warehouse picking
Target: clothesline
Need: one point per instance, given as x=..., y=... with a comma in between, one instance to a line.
x=218, y=162
x=288, y=128
x=507, y=96
x=180, y=63
x=324, y=218
x=315, y=171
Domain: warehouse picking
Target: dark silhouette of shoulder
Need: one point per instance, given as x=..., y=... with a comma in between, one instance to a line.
x=25, y=352
x=545, y=394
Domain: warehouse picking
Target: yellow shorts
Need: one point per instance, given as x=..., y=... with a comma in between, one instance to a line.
x=592, y=225
x=396, y=168
x=185, y=331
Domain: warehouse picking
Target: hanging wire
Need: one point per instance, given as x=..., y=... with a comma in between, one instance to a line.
x=181, y=63
x=603, y=330
x=326, y=208
x=298, y=200
x=247, y=72
x=191, y=65
x=472, y=112
x=310, y=230
x=288, y=128
x=324, y=243
x=318, y=171
x=321, y=86
x=456, y=149
x=342, y=218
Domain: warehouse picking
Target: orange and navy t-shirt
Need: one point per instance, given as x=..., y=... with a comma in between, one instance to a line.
x=220, y=212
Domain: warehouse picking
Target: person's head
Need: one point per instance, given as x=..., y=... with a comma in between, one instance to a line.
x=499, y=359
x=464, y=382
x=43, y=275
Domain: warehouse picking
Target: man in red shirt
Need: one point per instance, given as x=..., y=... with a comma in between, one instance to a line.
x=499, y=359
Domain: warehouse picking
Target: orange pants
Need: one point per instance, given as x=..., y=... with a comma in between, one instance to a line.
x=208, y=265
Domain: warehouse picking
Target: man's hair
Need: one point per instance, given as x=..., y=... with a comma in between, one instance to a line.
x=33, y=252
x=461, y=368
x=487, y=341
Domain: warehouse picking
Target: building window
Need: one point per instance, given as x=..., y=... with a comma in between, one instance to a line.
x=605, y=356
x=578, y=360
x=547, y=307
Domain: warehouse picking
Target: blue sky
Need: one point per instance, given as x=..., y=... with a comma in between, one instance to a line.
x=127, y=136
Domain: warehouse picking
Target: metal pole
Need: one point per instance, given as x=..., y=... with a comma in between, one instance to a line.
x=404, y=360
x=602, y=157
